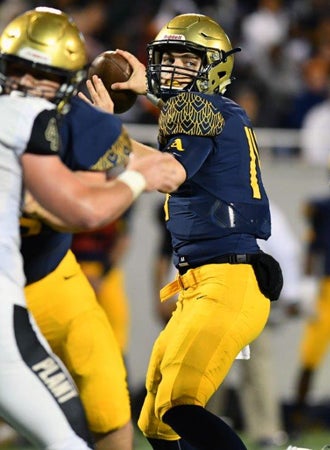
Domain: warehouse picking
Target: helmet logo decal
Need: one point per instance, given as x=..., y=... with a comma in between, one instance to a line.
x=34, y=55
x=174, y=37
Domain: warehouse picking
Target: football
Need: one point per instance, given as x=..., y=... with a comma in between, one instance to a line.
x=112, y=68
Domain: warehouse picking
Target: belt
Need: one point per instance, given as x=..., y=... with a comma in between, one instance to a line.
x=230, y=258
x=190, y=279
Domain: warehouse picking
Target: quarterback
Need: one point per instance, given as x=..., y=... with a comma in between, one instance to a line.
x=215, y=217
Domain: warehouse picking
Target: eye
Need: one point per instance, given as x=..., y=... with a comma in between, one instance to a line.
x=191, y=63
x=168, y=60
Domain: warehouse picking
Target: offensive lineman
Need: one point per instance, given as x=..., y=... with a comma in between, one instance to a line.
x=37, y=396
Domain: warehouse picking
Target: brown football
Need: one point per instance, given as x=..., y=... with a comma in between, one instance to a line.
x=112, y=68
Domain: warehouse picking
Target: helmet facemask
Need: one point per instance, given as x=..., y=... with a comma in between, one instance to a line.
x=173, y=75
x=197, y=34
x=13, y=66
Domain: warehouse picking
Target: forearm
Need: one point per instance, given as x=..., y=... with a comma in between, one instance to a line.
x=178, y=171
x=86, y=207
x=140, y=149
x=34, y=209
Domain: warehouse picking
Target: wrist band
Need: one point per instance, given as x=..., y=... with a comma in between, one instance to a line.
x=134, y=180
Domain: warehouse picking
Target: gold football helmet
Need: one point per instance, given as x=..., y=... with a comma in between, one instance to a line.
x=202, y=36
x=46, y=43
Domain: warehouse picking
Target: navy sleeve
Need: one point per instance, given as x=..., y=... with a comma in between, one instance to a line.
x=190, y=151
x=44, y=138
x=89, y=135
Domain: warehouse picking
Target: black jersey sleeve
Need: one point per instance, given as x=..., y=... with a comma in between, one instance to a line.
x=45, y=137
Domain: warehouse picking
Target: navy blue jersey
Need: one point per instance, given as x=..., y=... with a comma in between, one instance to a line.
x=318, y=216
x=165, y=242
x=89, y=136
x=222, y=206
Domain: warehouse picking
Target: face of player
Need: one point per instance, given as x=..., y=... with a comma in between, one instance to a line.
x=34, y=82
x=178, y=69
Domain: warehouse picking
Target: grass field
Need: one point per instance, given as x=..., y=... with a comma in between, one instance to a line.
x=314, y=440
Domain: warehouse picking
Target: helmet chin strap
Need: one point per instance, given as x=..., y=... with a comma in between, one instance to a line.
x=231, y=52
x=224, y=55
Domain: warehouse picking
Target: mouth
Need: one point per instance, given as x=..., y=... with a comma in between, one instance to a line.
x=174, y=84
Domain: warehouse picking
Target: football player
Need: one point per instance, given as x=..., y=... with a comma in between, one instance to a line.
x=215, y=217
x=316, y=335
x=42, y=62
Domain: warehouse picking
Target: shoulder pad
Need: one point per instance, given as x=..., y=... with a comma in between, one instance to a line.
x=191, y=114
x=116, y=155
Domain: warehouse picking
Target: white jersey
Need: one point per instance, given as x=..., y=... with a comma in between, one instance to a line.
x=37, y=395
x=17, y=117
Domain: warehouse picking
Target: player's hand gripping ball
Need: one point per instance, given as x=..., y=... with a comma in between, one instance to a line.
x=112, y=68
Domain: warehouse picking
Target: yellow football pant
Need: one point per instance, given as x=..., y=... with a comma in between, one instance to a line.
x=219, y=311
x=111, y=294
x=316, y=335
x=78, y=330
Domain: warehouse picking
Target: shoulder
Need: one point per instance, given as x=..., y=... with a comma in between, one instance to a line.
x=81, y=112
x=93, y=139
x=24, y=109
x=85, y=121
x=28, y=119
x=44, y=137
x=191, y=113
